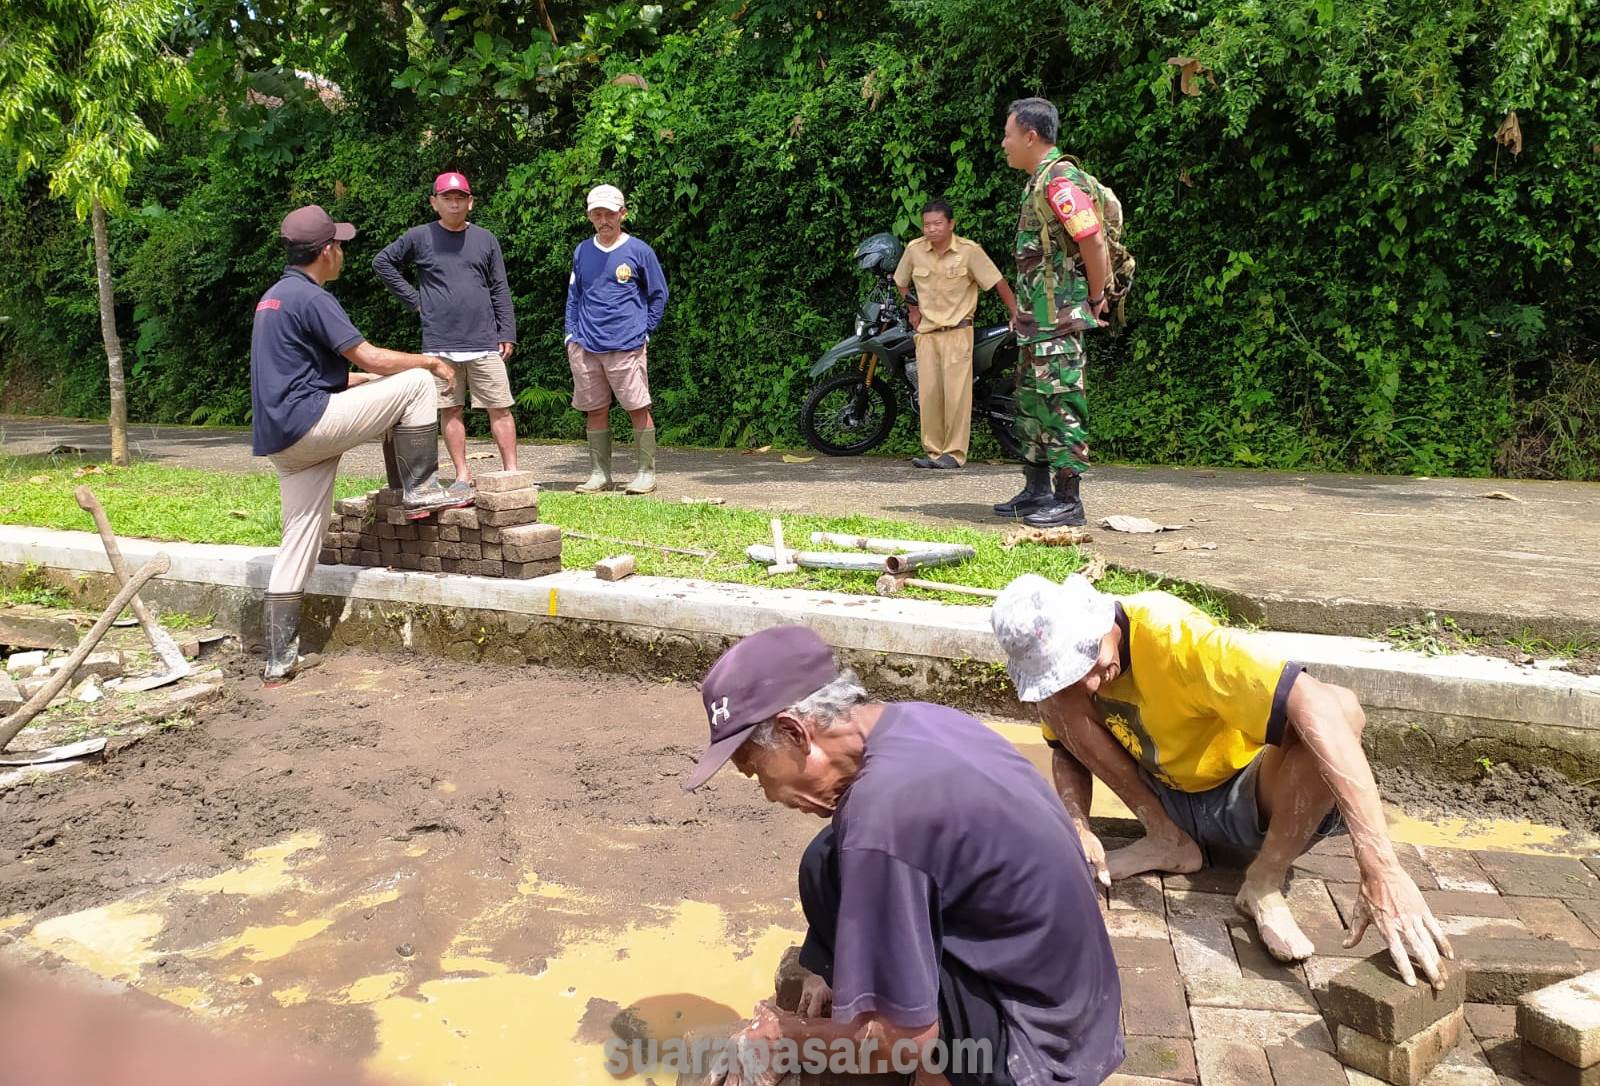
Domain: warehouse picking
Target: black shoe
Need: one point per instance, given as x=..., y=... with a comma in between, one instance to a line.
x=1066, y=508
x=946, y=462
x=1035, y=495
x=924, y=462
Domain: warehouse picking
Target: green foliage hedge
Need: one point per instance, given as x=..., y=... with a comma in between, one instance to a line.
x=1340, y=265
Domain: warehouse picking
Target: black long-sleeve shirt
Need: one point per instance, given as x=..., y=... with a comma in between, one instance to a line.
x=462, y=292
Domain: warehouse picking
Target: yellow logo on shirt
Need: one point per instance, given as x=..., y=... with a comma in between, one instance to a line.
x=624, y=273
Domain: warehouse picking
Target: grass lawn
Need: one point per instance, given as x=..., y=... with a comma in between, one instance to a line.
x=158, y=502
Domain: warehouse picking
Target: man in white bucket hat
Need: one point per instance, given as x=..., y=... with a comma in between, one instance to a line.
x=1213, y=741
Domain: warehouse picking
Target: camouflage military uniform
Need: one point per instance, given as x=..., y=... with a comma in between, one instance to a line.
x=1052, y=409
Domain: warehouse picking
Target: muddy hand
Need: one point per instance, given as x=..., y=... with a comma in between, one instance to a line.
x=816, y=997
x=1391, y=902
x=1095, y=852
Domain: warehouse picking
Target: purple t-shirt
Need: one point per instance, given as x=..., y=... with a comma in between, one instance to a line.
x=949, y=840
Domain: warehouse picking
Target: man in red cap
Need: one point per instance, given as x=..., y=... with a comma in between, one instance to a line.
x=308, y=409
x=467, y=316
x=944, y=917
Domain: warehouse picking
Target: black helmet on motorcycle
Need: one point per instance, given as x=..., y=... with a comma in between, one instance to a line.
x=879, y=254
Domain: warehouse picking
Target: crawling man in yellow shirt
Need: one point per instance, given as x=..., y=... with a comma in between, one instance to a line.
x=1212, y=741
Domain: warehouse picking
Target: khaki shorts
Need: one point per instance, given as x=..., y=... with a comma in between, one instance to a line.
x=485, y=376
x=597, y=375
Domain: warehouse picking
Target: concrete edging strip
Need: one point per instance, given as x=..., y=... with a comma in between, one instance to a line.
x=1387, y=679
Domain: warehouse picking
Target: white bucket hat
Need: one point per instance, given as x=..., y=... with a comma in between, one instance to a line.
x=1051, y=632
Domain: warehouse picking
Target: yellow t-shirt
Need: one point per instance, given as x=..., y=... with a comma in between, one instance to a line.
x=1195, y=702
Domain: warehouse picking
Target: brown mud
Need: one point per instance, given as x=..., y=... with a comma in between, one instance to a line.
x=513, y=765
x=1541, y=795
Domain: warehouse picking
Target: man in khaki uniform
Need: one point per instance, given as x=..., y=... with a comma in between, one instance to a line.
x=946, y=272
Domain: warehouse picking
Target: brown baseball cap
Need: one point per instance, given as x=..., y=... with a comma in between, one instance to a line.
x=310, y=225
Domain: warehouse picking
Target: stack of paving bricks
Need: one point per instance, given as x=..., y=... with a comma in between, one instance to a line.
x=1389, y=1029
x=498, y=536
x=1559, y=1029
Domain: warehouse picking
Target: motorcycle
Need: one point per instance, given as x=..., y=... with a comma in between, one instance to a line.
x=852, y=413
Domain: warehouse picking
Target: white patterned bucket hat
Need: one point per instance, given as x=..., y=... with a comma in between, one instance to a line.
x=1051, y=632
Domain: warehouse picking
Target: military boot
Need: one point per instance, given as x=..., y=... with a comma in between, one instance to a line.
x=1035, y=495
x=599, y=463
x=1066, y=511
x=280, y=623
x=416, y=457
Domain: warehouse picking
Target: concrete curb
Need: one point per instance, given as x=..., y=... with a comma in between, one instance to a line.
x=1446, y=709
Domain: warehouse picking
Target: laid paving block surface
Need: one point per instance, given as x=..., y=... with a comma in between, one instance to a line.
x=1519, y=875
x=1564, y=1019
x=1170, y=1059
x=1406, y=1063
x=1370, y=998
x=1293, y=1065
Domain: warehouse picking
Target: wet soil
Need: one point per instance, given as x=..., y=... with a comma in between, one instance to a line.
x=515, y=766
x=1540, y=795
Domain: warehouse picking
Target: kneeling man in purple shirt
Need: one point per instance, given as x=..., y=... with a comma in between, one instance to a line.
x=949, y=906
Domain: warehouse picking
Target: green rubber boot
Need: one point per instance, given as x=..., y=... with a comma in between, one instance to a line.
x=600, y=461
x=645, y=481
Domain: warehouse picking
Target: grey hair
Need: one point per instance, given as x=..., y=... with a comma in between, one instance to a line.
x=1037, y=115
x=824, y=708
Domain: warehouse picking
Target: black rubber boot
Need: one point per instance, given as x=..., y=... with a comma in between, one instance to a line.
x=416, y=456
x=391, y=467
x=280, y=621
x=1066, y=511
x=1035, y=495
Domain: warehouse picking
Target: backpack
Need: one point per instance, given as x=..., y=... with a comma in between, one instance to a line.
x=1109, y=210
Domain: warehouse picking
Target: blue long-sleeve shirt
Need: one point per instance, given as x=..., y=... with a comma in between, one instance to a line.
x=614, y=299
x=461, y=293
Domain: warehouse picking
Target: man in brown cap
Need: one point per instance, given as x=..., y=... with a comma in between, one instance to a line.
x=944, y=914
x=309, y=408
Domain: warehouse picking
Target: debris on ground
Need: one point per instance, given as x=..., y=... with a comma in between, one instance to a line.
x=1181, y=545
x=1045, y=537
x=1137, y=525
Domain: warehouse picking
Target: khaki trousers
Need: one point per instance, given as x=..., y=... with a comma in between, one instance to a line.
x=944, y=392
x=307, y=468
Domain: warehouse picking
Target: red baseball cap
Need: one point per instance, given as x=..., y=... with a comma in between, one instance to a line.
x=451, y=182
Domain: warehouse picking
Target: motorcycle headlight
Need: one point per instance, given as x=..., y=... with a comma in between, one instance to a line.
x=861, y=327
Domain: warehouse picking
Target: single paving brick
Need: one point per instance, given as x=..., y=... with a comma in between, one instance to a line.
x=1127, y=923
x=1140, y=892
x=1169, y=1059
x=1254, y=958
x=1550, y=918
x=1553, y=1070
x=1204, y=906
x=1311, y=903
x=1586, y=909
x=1406, y=1063
x=1208, y=880
x=1491, y=1021
x=1152, y=1000
x=1202, y=946
x=1262, y=1028
x=1519, y=875
x=1370, y=998
x=1502, y=970
x=459, y=518
x=1249, y=994
x=1227, y=1062
x=495, y=482
x=501, y=501
x=1564, y=1019
x=1293, y=1065
x=788, y=979
x=1456, y=869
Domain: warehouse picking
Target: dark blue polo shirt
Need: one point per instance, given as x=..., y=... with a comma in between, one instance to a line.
x=296, y=359
x=950, y=842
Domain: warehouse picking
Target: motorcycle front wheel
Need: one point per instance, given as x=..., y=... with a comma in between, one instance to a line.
x=847, y=417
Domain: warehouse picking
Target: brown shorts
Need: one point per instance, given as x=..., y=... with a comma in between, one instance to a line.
x=597, y=375
x=485, y=376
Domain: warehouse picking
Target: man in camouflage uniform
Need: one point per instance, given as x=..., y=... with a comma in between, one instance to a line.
x=1061, y=285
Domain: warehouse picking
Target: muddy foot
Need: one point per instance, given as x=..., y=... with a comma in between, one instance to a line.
x=1279, y=930
x=1154, y=854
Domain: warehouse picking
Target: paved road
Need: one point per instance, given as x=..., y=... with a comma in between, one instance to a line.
x=1322, y=553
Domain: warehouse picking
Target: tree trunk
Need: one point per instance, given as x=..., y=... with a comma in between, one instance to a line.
x=108, y=332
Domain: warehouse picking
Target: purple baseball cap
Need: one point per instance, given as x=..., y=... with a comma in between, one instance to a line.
x=764, y=673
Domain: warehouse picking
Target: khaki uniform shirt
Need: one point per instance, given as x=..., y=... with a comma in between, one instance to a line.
x=947, y=284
